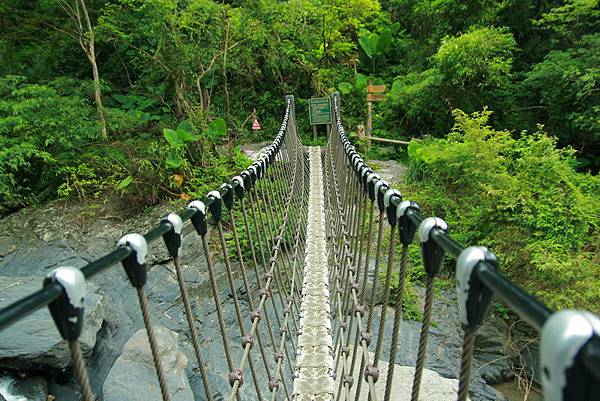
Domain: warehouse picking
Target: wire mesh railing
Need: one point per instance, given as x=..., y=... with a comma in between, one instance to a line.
x=358, y=200
x=266, y=206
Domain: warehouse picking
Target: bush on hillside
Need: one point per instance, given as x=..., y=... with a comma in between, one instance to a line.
x=50, y=146
x=520, y=197
x=41, y=132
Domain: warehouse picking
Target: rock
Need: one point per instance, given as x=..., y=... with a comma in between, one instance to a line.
x=434, y=387
x=133, y=376
x=23, y=389
x=77, y=239
x=34, y=342
x=444, y=345
x=32, y=261
x=254, y=150
x=492, y=351
x=66, y=392
x=390, y=170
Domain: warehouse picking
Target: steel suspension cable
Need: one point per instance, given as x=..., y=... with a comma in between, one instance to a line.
x=156, y=358
x=192, y=325
x=80, y=370
x=237, y=381
x=358, y=309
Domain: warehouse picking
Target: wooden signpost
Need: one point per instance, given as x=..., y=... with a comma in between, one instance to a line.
x=376, y=88
x=375, y=93
x=375, y=97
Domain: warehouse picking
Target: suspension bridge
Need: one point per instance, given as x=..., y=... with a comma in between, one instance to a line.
x=306, y=222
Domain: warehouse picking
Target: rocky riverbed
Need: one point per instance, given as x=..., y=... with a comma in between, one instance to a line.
x=34, y=241
x=34, y=362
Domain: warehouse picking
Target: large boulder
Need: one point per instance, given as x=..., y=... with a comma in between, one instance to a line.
x=133, y=376
x=434, y=387
x=492, y=351
x=34, y=343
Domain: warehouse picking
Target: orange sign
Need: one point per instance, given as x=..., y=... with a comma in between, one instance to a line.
x=375, y=97
x=376, y=88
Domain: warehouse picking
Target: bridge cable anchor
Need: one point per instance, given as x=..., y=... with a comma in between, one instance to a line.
x=406, y=229
x=173, y=238
x=236, y=375
x=366, y=337
x=247, y=179
x=247, y=339
x=67, y=310
x=135, y=263
x=253, y=174
x=380, y=188
x=431, y=252
x=473, y=296
x=389, y=206
x=226, y=190
x=566, y=338
x=273, y=384
x=199, y=217
x=371, y=371
x=239, y=186
x=216, y=206
x=366, y=173
x=372, y=179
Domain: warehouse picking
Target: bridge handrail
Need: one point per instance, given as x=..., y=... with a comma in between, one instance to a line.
x=63, y=288
x=32, y=302
x=579, y=353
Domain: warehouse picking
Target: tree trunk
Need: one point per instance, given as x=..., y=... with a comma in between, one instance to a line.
x=91, y=53
x=224, y=70
x=98, y=98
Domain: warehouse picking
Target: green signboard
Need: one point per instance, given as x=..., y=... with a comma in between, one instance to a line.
x=319, y=110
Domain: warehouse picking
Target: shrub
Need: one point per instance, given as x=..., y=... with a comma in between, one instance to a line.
x=41, y=131
x=519, y=196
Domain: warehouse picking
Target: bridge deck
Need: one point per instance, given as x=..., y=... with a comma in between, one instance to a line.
x=315, y=361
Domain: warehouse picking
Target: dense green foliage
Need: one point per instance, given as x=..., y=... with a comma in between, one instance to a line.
x=144, y=100
x=160, y=63
x=520, y=197
x=532, y=62
x=42, y=130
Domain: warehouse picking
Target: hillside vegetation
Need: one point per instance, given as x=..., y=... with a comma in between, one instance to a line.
x=147, y=100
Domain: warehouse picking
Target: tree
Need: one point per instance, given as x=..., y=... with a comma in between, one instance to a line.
x=469, y=71
x=566, y=86
x=177, y=44
x=82, y=32
x=519, y=196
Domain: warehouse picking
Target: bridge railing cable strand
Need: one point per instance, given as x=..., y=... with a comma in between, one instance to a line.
x=359, y=199
x=264, y=210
